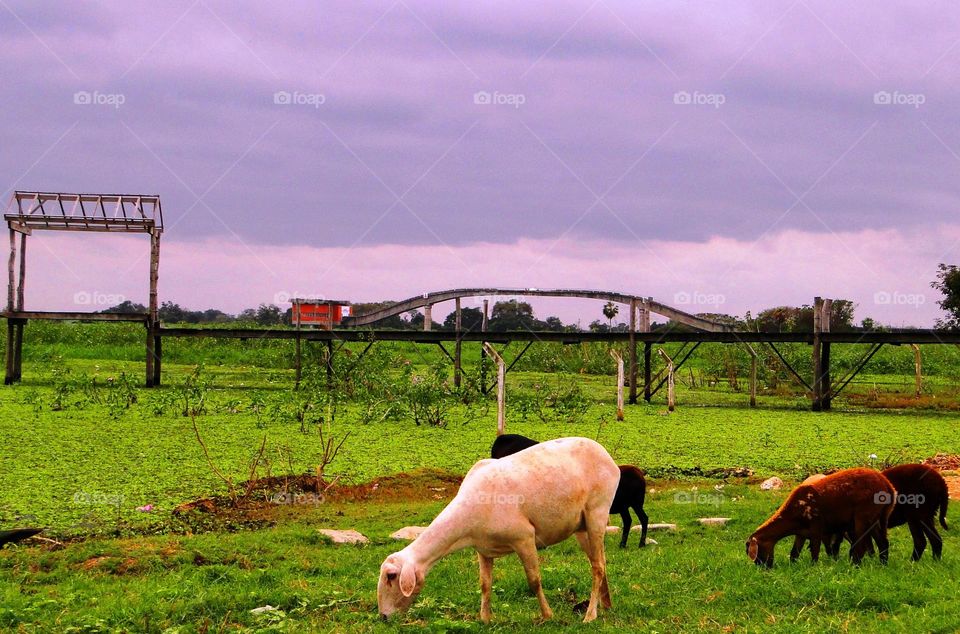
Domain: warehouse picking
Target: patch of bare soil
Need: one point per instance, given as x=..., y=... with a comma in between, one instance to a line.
x=944, y=462
x=263, y=501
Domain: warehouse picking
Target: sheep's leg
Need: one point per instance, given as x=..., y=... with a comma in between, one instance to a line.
x=797, y=550
x=860, y=540
x=644, y=521
x=879, y=531
x=486, y=584
x=919, y=540
x=527, y=552
x=815, y=549
x=834, y=542
x=592, y=544
x=936, y=542
x=627, y=522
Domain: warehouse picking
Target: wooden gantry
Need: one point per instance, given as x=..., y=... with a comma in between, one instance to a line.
x=30, y=211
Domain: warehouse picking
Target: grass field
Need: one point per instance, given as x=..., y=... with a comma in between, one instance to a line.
x=85, y=447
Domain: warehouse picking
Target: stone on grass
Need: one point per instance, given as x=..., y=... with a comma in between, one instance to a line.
x=714, y=521
x=408, y=533
x=344, y=537
x=772, y=484
x=656, y=527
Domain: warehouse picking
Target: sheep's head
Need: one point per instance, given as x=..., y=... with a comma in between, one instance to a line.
x=400, y=582
x=760, y=551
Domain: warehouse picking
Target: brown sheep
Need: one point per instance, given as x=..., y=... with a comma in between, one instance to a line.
x=858, y=501
x=921, y=492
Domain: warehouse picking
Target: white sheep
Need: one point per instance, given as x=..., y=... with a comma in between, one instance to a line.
x=531, y=499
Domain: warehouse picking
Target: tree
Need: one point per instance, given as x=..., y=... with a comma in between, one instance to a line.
x=126, y=307
x=948, y=283
x=610, y=311
x=269, y=315
x=471, y=319
x=512, y=315
x=171, y=312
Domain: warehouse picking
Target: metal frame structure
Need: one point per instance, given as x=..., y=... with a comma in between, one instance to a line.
x=30, y=211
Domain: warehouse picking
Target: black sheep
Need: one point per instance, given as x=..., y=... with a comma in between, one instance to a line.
x=630, y=492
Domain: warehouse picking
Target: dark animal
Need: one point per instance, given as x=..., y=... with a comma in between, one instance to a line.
x=854, y=501
x=17, y=534
x=630, y=492
x=921, y=492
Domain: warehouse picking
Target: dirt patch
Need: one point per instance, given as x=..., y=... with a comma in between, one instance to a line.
x=953, y=485
x=944, y=462
x=262, y=502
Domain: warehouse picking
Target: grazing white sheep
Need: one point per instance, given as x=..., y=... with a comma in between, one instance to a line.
x=534, y=498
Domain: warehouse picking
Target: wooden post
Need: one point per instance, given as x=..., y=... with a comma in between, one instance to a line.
x=158, y=352
x=152, y=321
x=428, y=317
x=918, y=370
x=633, y=358
x=483, y=349
x=501, y=387
x=817, y=403
x=619, y=360
x=753, y=375
x=671, y=398
x=23, y=270
x=457, y=370
x=8, y=356
x=11, y=282
x=825, y=383
x=647, y=353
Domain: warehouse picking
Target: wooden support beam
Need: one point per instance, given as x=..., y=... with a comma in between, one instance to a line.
x=483, y=348
x=753, y=374
x=618, y=359
x=826, y=310
x=501, y=387
x=671, y=396
x=150, y=355
x=158, y=357
x=18, y=352
x=647, y=351
x=11, y=280
x=457, y=351
x=816, y=399
x=23, y=270
x=632, y=350
x=8, y=354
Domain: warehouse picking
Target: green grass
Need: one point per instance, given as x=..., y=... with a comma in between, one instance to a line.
x=697, y=579
x=66, y=469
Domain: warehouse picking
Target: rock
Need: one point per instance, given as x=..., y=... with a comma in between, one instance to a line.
x=263, y=609
x=344, y=537
x=613, y=529
x=652, y=541
x=408, y=533
x=772, y=484
x=656, y=527
x=714, y=521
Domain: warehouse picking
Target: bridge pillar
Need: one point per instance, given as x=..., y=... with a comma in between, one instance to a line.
x=457, y=349
x=428, y=317
x=633, y=352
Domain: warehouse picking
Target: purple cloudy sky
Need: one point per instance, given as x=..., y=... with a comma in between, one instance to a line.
x=727, y=155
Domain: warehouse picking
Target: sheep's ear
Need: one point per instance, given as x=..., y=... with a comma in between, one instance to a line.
x=753, y=548
x=408, y=579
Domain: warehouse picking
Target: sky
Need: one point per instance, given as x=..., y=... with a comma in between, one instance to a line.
x=718, y=156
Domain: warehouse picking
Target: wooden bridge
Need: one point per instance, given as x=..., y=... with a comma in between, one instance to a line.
x=123, y=213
